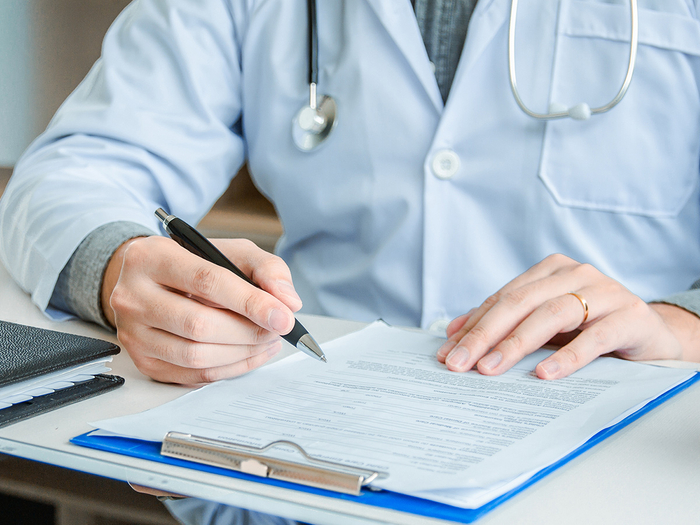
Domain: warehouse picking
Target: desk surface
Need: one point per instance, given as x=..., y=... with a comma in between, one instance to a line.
x=649, y=472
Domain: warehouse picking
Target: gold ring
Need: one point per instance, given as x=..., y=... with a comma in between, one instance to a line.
x=583, y=303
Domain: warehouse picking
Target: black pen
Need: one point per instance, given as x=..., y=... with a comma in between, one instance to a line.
x=190, y=239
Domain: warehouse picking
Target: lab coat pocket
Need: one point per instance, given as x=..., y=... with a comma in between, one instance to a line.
x=641, y=157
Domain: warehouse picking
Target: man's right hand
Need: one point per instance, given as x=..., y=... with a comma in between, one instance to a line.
x=185, y=320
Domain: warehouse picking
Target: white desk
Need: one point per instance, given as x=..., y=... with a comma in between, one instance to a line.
x=648, y=473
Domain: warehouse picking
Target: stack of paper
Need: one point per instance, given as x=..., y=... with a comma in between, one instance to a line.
x=384, y=402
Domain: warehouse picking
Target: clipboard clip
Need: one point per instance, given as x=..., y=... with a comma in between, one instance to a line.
x=317, y=473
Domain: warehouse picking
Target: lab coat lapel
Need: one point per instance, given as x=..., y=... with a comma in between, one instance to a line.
x=400, y=22
x=488, y=17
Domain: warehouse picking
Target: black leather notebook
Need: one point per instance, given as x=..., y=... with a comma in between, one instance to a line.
x=27, y=352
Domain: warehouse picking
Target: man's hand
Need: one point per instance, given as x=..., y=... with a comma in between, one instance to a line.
x=538, y=307
x=185, y=320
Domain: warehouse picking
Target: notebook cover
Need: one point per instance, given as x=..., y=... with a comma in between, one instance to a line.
x=27, y=352
x=384, y=499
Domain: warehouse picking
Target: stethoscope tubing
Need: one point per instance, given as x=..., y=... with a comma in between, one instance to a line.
x=634, y=40
x=307, y=138
x=312, y=29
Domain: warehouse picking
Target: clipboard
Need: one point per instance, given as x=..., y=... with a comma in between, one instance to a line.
x=383, y=499
x=316, y=473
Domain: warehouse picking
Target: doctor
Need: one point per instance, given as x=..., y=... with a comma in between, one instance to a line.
x=434, y=194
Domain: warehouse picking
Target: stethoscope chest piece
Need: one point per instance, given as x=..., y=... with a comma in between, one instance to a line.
x=312, y=125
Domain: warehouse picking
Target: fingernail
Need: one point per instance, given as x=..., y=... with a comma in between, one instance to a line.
x=274, y=348
x=445, y=349
x=458, y=357
x=550, y=367
x=491, y=360
x=279, y=321
x=286, y=288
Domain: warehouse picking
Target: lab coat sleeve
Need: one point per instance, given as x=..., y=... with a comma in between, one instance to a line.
x=155, y=123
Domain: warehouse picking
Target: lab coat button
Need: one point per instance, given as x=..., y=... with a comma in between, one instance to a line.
x=445, y=164
x=439, y=325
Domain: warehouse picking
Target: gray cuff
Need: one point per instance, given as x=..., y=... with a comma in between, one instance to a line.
x=689, y=300
x=79, y=285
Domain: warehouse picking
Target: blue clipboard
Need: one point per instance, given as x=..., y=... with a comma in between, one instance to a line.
x=384, y=499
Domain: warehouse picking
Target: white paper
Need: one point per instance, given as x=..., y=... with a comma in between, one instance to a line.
x=49, y=383
x=384, y=402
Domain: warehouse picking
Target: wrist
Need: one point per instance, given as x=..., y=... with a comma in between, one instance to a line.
x=684, y=325
x=110, y=279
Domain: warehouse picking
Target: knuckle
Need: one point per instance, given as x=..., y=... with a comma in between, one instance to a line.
x=255, y=361
x=259, y=335
x=516, y=298
x=251, y=307
x=514, y=344
x=601, y=337
x=557, y=259
x=192, y=356
x=147, y=367
x=492, y=300
x=246, y=244
x=209, y=375
x=553, y=307
x=570, y=356
x=249, y=352
x=586, y=270
x=479, y=335
x=195, y=326
x=205, y=281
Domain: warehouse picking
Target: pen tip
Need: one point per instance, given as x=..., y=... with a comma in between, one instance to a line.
x=309, y=346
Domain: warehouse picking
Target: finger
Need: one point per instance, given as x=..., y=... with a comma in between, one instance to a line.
x=185, y=317
x=600, y=338
x=178, y=269
x=458, y=322
x=170, y=373
x=466, y=347
x=267, y=270
x=455, y=326
x=556, y=264
x=166, y=347
x=559, y=315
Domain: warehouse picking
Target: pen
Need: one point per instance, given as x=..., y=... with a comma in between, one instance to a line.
x=193, y=241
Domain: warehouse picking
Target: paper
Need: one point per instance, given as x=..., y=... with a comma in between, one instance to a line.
x=384, y=402
x=49, y=383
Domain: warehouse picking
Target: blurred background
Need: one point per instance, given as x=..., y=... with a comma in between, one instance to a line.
x=46, y=48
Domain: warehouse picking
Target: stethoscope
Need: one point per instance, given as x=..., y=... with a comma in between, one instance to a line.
x=581, y=111
x=314, y=122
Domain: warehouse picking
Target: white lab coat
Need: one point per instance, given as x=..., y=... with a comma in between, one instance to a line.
x=187, y=90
